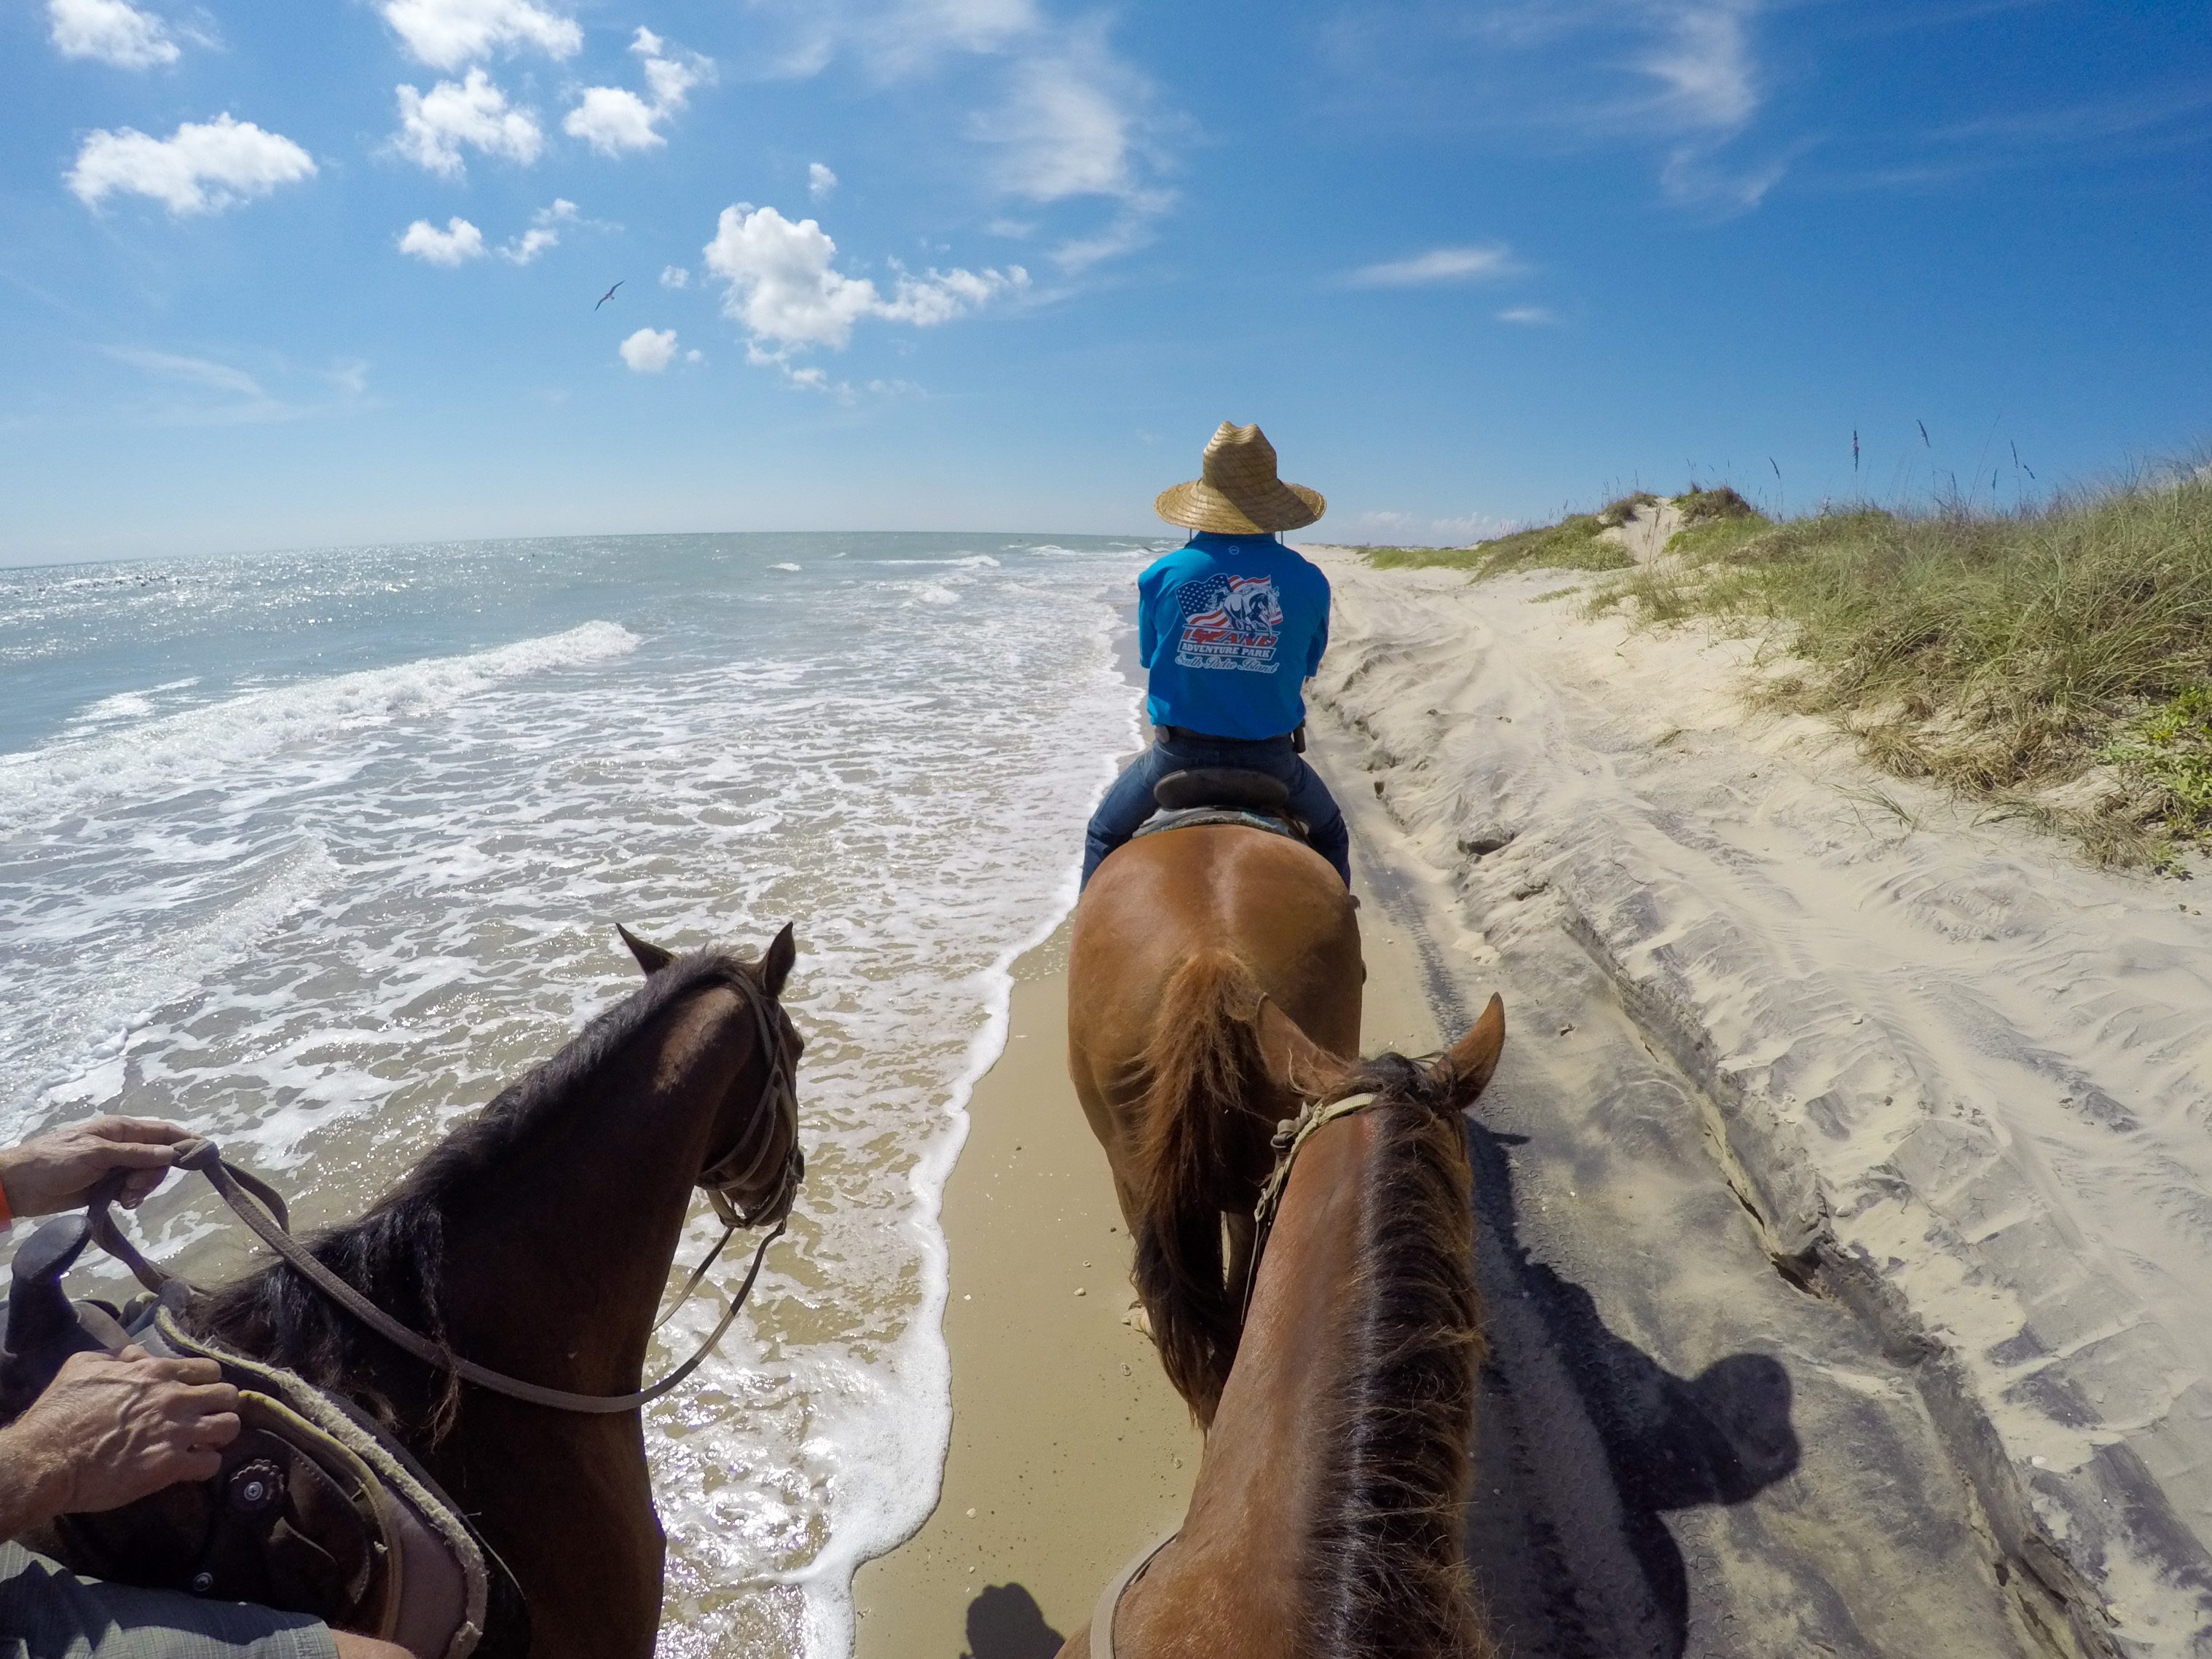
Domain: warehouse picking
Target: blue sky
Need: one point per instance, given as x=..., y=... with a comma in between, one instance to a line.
x=282, y=275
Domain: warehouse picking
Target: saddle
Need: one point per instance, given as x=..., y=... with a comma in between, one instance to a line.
x=1222, y=794
x=316, y=1509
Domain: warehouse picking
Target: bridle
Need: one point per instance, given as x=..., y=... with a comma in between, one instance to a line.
x=1291, y=1136
x=260, y=1208
x=736, y=1168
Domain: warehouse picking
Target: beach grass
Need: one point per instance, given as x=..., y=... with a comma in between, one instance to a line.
x=1717, y=502
x=1573, y=544
x=2055, y=661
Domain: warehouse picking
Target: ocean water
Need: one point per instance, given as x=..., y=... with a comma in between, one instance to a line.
x=314, y=851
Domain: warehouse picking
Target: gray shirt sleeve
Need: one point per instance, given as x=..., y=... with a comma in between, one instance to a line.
x=46, y=1612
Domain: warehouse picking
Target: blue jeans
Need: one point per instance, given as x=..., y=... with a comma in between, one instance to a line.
x=1129, y=802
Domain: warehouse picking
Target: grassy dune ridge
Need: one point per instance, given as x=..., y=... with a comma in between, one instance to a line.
x=2055, y=661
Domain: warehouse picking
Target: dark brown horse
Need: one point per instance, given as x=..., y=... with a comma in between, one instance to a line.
x=537, y=1240
x=1179, y=938
x=1326, y=1522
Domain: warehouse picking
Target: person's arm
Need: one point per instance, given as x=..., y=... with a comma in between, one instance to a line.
x=110, y=1429
x=1321, y=630
x=57, y=1170
x=1148, y=609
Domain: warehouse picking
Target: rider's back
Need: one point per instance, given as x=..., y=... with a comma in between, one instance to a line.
x=1230, y=628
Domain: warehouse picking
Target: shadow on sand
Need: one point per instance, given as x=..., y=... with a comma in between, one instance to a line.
x=1005, y=1622
x=1584, y=1442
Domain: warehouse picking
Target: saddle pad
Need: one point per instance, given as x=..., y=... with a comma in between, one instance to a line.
x=1195, y=816
x=314, y=1510
x=437, y=1585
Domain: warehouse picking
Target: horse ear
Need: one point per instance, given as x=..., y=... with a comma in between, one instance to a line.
x=1297, y=1064
x=651, y=957
x=1475, y=1056
x=776, y=966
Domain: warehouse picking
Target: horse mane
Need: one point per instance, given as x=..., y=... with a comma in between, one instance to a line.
x=394, y=1251
x=1386, y=1551
x=1200, y=1140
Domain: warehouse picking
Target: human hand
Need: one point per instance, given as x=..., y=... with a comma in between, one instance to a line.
x=59, y=1170
x=110, y=1429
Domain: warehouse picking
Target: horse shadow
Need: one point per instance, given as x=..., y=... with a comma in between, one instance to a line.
x=1583, y=1443
x=1005, y=1622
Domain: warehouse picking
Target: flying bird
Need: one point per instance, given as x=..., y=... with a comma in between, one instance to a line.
x=608, y=295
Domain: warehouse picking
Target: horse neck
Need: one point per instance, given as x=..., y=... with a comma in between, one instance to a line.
x=558, y=1253
x=1326, y=1513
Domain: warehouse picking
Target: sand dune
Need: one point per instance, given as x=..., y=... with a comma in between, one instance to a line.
x=1960, y=1081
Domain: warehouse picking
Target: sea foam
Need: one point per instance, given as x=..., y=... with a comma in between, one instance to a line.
x=325, y=919
x=162, y=757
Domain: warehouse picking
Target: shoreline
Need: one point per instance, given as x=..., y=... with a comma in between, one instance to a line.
x=1066, y=1440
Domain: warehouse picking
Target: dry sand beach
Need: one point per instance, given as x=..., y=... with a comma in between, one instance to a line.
x=1952, y=1081
x=1840, y=1191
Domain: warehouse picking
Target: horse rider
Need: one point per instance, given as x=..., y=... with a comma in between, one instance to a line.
x=1228, y=627
x=109, y=1430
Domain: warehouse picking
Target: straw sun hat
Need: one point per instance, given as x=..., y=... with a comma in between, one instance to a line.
x=1239, y=494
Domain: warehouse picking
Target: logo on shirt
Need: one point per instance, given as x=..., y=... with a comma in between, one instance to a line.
x=1229, y=621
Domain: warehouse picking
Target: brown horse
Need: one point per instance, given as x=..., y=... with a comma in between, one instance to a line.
x=537, y=1240
x=1327, y=1519
x=1178, y=939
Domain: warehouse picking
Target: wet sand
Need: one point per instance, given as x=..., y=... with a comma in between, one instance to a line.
x=1069, y=1451
x=1068, y=1447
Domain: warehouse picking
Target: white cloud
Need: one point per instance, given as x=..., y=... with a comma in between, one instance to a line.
x=1125, y=234
x=648, y=352
x=1528, y=316
x=457, y=243
x=1693, y=177
x=1072, y=120
x=201, y=168
x=1443, y=264
x=543, y=231
x=1681, y=80
x=695, y=356
x=784, y=289
x=781, y=286
x=1071, y=128
x=111, y=32
x=527, y=246
x=1063, y=134
x=614, y=119
x=894, y=39
x=435, y=125
x=196, y=370
x=1705, y=72
x=938, y=297
x=675, y=277
x=820, y=181
x=200, y=392
x=447, y=33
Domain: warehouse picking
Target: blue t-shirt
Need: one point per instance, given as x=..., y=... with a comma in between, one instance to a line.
x=1228, y=628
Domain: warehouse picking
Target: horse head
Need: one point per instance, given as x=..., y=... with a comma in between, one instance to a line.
x=754, y=1173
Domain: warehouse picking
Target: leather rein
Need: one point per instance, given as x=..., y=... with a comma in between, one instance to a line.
x=259, y=1206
